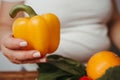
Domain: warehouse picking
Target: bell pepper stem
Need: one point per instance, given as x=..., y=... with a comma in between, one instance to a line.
x=22, y=7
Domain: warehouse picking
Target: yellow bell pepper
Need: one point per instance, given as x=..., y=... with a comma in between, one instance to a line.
x=42, y=32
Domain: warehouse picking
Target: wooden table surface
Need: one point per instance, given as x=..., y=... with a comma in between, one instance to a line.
x=22, y=75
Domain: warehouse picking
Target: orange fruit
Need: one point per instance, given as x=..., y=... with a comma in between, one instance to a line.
x=100, y=62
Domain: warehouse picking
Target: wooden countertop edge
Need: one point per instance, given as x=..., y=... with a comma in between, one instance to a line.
x=19, y=74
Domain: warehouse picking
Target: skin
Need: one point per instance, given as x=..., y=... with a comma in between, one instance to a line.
x=114, y=27
x=11, y=47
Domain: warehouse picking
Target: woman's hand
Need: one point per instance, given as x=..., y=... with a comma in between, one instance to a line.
x=12, y=49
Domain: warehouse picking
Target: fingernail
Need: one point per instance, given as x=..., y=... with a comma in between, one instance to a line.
x=43, y=60
x=23, y=44
x=37, y=54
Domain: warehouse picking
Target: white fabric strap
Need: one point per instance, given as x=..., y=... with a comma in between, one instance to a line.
x=13, y=0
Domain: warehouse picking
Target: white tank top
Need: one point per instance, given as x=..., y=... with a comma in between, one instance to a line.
x=83, y=25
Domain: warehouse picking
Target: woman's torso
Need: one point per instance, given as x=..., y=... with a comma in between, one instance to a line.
x=83, y=23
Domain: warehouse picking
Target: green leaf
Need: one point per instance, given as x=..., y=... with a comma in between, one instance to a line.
x=60, y=58
x=46, y=67
x=68, y=67
x=67, y=64
x=60, y=68
x=50, y=72
x=111, y=74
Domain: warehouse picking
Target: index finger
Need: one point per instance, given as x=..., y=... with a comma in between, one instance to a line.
x=13, y=43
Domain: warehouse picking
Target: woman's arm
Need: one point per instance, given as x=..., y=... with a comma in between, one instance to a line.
x=5, y=20
x=115, y=27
